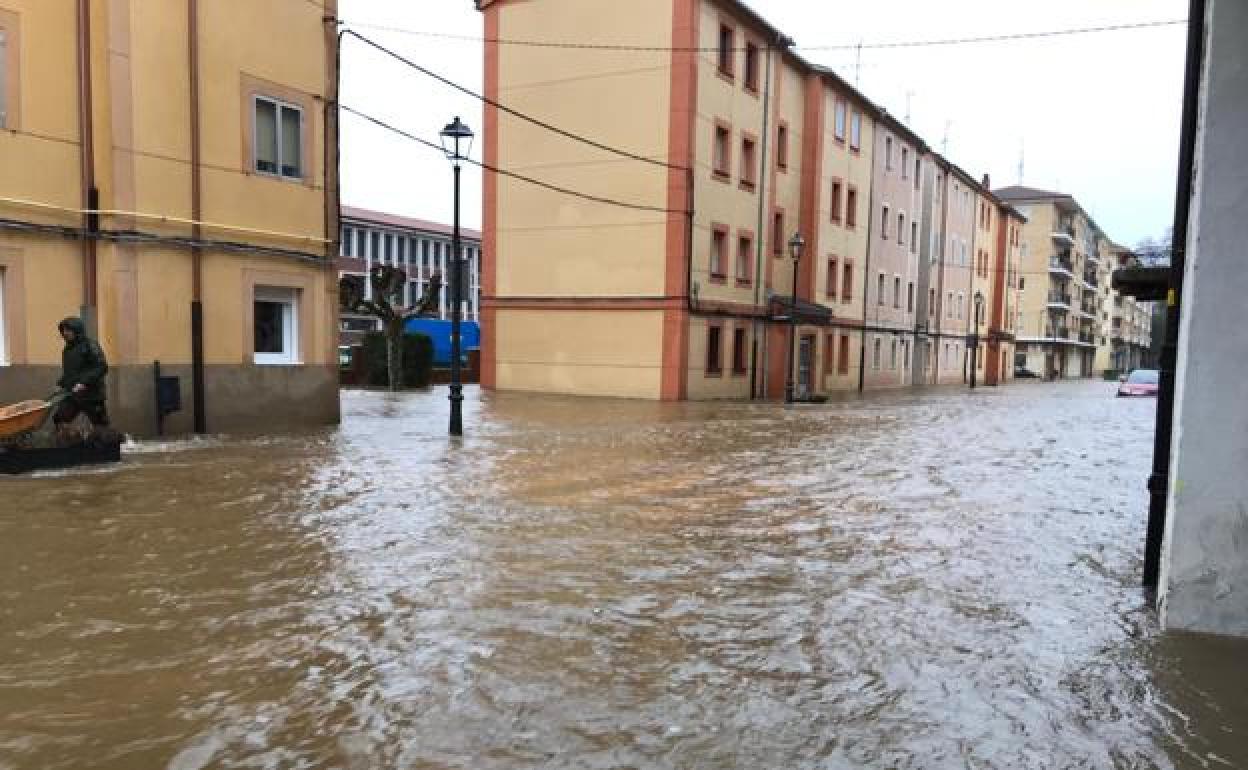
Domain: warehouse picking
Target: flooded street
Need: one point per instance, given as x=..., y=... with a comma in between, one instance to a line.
x=918, y=580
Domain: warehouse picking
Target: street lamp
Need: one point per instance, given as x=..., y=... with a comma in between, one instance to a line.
x=979, y=308
x=797, y=244
x=457, y=144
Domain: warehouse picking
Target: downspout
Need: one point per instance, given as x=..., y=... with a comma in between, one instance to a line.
x=866, y=274
x=90, y=195
x=197, y=308
x=1158, y=482
x=758, y=376
x=940, y=274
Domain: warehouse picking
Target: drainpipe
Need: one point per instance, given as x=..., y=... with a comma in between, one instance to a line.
x=197, y=308
x=866, y=275
x=940, y=274
x=90, y=195
x=758, y=376
x=1158, y=482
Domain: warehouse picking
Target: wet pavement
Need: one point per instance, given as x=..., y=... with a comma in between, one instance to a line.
x=913, y=580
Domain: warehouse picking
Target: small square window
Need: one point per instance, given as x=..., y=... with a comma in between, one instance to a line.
x=723, y=151
x=745, y=258
x=855, y=131
x=840, y=120
x=749, y=163
x=727, y=44
x=278, y=138
x=751, y=67
x=782, y=146
x=739, y=357
x=275, y=326
x=714, y=357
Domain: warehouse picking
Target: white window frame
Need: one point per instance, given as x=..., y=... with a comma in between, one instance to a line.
x=279, y=105
x=289, y=299
x=4, y=328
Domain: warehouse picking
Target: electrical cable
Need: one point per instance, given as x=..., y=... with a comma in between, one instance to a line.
x=503, y=172
x=513, y=112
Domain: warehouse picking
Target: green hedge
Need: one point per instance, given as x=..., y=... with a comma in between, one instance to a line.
x=417, y=360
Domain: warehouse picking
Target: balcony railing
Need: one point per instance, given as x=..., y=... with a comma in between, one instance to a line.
x=1090, y=278
x=1064, y=231
x=1087, y=337
x=1059, y=298
x=1060, y=263
x=1058, y=332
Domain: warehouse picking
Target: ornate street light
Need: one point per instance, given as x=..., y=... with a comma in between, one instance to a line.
x=797, y=244
x=457, y=144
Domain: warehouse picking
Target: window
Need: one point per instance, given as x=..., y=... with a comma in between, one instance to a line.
x=727, y=42
x=897, y=291
x=375, y=242
x=884, y=222
x=875, y=354
x=836, y=200
x=901, y=228
x=777, y=233
x=931, y=303
x=275, y=326
x=830, y=289
x=738, y=351
x=892, y=355
x=4, y=339
x=782, y=146
x=347, y=239
x=722, y=152
x=961, y=298
x=839, y=120
x=714, y=361
x=851, y=207
x=949, y=306
x=842, y=363
x=879, y=289
x=910, y=297
x=918, y=171
x=745, y=258
x=10, y=75
x=278, y=138
x=751, y=67
x=888, y=153
x=905, y=354
x=847, y=282
x=905, y=161
x=749, y=163
x=719, y=247
x=855, y=131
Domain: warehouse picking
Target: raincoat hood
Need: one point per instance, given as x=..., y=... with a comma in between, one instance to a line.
x=75, y=325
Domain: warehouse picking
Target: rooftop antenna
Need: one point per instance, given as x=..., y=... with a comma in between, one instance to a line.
x=1021, y=158
x=909, y=94
x=944, y=143
x=858, y=66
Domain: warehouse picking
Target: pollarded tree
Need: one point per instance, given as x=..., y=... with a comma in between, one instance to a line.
x=387, y=305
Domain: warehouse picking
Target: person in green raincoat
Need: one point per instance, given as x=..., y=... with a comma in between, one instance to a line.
x=83, y=368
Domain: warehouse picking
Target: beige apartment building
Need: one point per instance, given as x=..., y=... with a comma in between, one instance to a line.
x=1059, y=320
x=670, y=276
x=169, y=177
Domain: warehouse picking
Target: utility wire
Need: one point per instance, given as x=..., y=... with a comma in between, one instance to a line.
x=838, y=47
x=502, y=172
x=509, y=110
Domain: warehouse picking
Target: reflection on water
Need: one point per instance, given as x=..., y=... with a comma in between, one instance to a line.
x=914, y=580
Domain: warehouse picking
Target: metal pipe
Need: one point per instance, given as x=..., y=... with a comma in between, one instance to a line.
x=198, y=401
x=792, y=360
x=86, y=130
x=1158, y=482
x=866, y=277
x=457, y=395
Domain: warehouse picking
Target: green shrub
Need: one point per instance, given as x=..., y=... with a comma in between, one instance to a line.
x=417, y=360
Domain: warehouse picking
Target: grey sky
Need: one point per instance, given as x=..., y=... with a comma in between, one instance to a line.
x=1097, y=115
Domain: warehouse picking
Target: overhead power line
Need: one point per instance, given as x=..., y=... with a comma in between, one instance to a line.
x=513, y=112
x=837, y=47
x=503, y=172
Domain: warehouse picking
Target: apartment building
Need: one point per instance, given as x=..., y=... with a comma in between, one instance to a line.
x=169, y=176
x=683, y=285
x=420, y=248
x=1062, y=273
x=1004, y=302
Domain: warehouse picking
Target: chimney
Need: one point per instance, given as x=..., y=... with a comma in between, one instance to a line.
x=987, y=182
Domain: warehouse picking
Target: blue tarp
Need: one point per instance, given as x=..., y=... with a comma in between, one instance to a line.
x=440, y=333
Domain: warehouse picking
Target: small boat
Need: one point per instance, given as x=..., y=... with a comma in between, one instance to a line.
x=23, y=417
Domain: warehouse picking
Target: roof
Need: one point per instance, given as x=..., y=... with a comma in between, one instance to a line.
x=1020, y=193
x=405, y=223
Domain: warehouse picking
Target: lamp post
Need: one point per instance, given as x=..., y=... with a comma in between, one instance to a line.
x=979, y=308
x=797, y=244
x=457, y=144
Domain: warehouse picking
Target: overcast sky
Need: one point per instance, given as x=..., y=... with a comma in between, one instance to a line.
x=1095, y=115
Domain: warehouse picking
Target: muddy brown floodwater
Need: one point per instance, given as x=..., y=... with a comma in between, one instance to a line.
x=932, y=580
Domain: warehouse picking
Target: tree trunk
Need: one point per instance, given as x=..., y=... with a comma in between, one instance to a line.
x=394, y=360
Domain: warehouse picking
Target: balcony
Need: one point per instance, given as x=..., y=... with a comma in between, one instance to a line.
x=1064, y=232
x=1090, y=279
x=1088, y=338
x=1057, y=332
x=1059, y=299
x=1061, y=264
